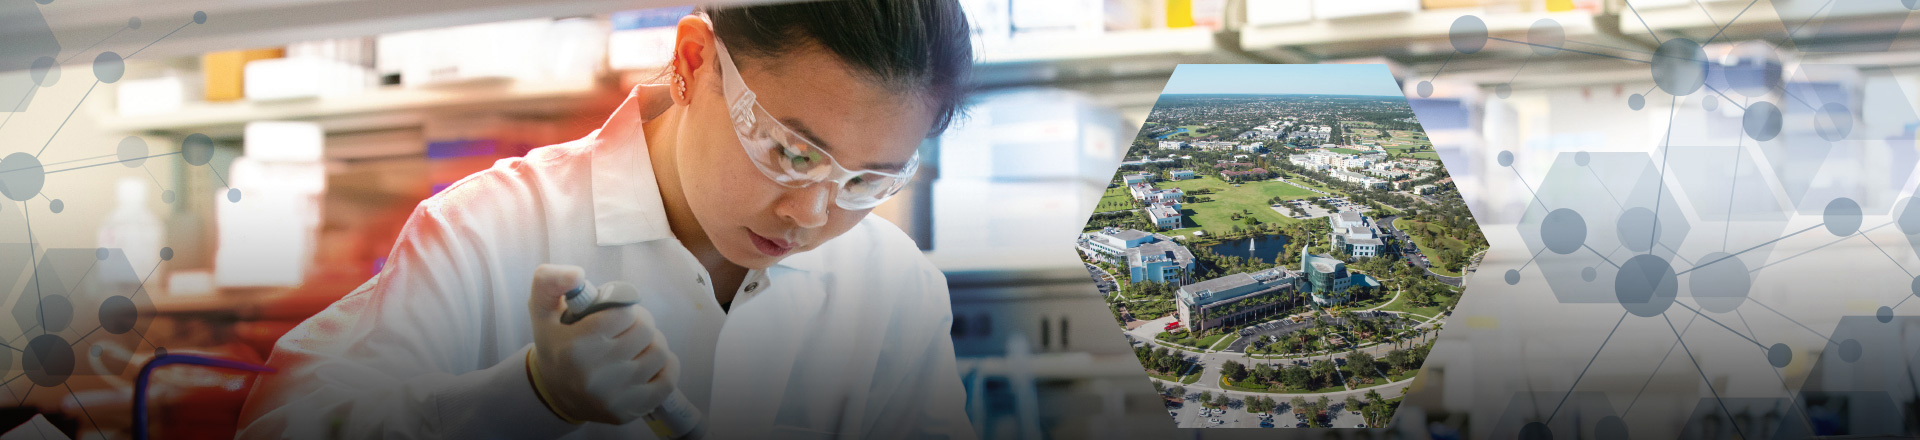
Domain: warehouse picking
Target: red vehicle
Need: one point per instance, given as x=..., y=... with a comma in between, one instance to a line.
x=1172, y=325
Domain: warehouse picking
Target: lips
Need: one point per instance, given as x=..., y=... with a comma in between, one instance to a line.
x=771, y=246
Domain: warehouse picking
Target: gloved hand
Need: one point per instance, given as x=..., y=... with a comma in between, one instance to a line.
x=610, y=367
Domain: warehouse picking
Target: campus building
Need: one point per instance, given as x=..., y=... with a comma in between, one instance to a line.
x=1236, y=299
x=1147, y=256
x=1180, y=174
x=1163, y=205
x=1164, y=216
x=1136, y=178
x=1327, y=278
x=1355, y=234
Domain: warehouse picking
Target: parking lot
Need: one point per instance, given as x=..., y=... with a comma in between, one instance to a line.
x=1193, y=415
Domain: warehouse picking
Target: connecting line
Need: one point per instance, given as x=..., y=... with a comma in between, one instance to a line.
x=1536, y=196
x=63, y=122
x=1723, y=95
x=1703, y=375
x=39, y=297
x=1536, y=254
x=83, y=410
x=1597, y=54
x=10, y=347
x=1830, y=243
x=1803, y=23
x=1903, y=300
x=1732, y=184
x=1717, y=322
x=23, y=333
x=1883, y=251
x=156, y=40
x=1723, y=29
x=89, y=333
x=109, y=163
x=156, y=179
x=97, y=43
x=1583, y=371
x=1656, y=370
x=1523, y=66
x=1603, y=187
x=1603, y=46
x=1603, y=257
x=1443, y=66
x=1790, y=319
x=216, y=175
x=1791, y=395
x=1666, y=149
x=1735, y=254
x=1675, y=252
x=1703, y=11
x=1643, y=23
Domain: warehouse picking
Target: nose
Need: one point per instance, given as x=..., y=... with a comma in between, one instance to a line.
x=806, y=207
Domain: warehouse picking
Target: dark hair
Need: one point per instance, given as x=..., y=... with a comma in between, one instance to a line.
x=918, y=46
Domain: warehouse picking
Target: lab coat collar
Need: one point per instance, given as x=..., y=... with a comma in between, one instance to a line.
x=626, y=199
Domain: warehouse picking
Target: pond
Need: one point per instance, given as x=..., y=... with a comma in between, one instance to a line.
x=1265, y=249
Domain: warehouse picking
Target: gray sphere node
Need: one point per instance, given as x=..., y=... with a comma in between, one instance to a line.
x=1468, y=34
x=1645, y=285
x=1762, y=121
x=1842, y=216
x=1563, y=231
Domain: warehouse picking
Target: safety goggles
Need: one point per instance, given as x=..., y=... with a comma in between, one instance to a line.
x=794, y=161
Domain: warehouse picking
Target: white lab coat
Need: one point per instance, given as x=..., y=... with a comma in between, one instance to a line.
x=847, y=340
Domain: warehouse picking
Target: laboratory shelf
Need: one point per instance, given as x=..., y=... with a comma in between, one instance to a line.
x=383, y=108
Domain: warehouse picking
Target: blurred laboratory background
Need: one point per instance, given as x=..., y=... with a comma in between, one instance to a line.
x=317, y=125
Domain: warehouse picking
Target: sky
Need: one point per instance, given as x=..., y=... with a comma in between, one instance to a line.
x=1283, y=79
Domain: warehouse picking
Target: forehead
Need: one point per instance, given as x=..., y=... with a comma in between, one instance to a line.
x=862, y=122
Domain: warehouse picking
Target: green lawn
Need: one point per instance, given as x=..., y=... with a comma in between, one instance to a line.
x=1402, y=305
x=1215, y=216
x=1115, y=203
x=1224, y=342
x=1346, y=151
x=1430, y=248
x=1207, y=341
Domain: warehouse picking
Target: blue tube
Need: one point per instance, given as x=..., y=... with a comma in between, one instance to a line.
x=140, y=383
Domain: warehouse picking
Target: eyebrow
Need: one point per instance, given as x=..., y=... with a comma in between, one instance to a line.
x=801, y=128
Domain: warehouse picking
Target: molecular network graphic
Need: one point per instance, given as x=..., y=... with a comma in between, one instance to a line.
x=79, y=312
x=1607, y=227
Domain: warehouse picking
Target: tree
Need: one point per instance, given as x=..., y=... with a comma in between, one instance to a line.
x=1299, y=404
x=1206, y=397
x=1353, y=403
x=1179, y=391
x=1360, y=363
x=1399, y=359
x=1221, y=401
x=1233, y=370
x=1263, y=372
x=1325, y=370
x=1252, y=404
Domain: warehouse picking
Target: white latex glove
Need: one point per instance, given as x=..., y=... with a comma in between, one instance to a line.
x=610, y=367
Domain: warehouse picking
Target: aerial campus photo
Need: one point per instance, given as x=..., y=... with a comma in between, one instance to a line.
x=1281, y=245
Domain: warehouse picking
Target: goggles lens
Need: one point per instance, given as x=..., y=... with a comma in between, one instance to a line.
x=792, y=160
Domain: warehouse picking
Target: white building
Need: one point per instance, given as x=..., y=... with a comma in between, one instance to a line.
x=1356, y=234
x=1172, y=145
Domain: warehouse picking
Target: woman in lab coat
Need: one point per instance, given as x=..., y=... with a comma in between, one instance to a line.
x=735, y=196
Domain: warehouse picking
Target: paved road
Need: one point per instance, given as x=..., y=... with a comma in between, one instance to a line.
x=1408, y=252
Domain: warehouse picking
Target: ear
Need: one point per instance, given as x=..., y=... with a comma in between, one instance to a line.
x=692, y=56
